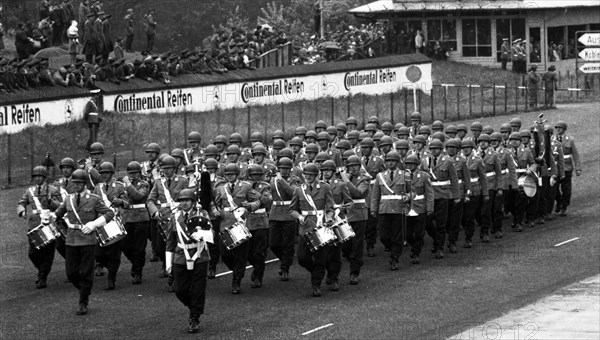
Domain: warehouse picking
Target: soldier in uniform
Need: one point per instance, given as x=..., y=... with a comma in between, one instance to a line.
x=44, y=198
x=194, y=153
x=92, y=163
x=572, y=163
x=136, y=219
x=505, y=52
x=451, y=131
x=311, y=137
x=259, y=157
x=479, y=190
x=320, y=126
x=233, y=154
x=151, y=173
x=65, y=186
x=524, y=166
x=312, y=205
x=324, y=141
x=351, y=123
x=221, y=143
x=83, y=212
x=515, y=124
x=391, y=192
x=358, y=185
x=476, y=129
x=420, y=207
x=455, y=210
x=415, y=124
x=461, y=131
x=491, y=212
x=113, y=195
x=229, y=197
x=216, y=181
x=387, y=128
x=282, y=226
x=508, y=178
x=373, y=165
x=311, y=152
x=445, y=188
x=296, y=147
x=187, y=256
x=385, y=145
x=559, y=159
x=161, y=201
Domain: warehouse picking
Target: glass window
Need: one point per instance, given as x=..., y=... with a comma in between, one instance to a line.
x=443, y=30
x=449, y=33
x=477, y=37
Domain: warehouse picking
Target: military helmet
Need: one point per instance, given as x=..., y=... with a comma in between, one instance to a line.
x=437, y=125
x=373, y=120
x=211, y=150
x=420, y=139
x=398, y=126
x=311, y=168
x=387, y=126
x=255, y=169
x=451, y=129
x=186, y=194
x=415, y=116
x=190, y=168
x=220, y=139
x=194, y=137
x=386, y=140
x=211, y=163
x=377, y=136
x=235, y=138
x=496, y=136
x=106, y=167
x=285, y=162
x=286, y=153
x=476, y=126
x=296, y=141
x=351, y=120
x=323, y=135
x=233, y=149
x=461, y=127
x=367, y=142
x=514, y=136
x=79, y=176
x=516, y=122
x=453, y=143
x=134, y=166
x=312, y=147
x=439, y=136
x=300, y=130
x=392, y=156
x=484, y=138
x=436, y=144
x=467, y=143
x=363, y=135
x=177, y=153
x=39, y=171
x=256, y=137
x=168, y=162
x=403, y=131
x=525, y=133
x=412, y=159
x=348, y=153
x=424, y=129
x=402, y=144
x=278, y=134
x=353, y=160
x=259, y=149
x=341, y=127
x=328, y=165
x=370, y=127
x=320, y=125
x=322, y=157
x=232, y=169
x=561, y=124
x=161, y=157
x=96, y=147
x=279, y=144
x=332, y=130
x=353, y=134
x=488, y=130
x=505, y=128
x=153, y=147
x=312, y=134
x=67, y=162
x=343, y=144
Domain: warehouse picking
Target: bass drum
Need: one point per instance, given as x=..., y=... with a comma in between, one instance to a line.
x=528, y=184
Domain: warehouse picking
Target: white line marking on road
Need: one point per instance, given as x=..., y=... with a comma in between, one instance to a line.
x=248, y=267
x=567, y=241
x=317, y=329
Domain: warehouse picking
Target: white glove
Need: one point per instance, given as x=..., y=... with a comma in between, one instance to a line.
x=197, y=236
x=168, y=261
x=301, y=219
x=552, y=181
x=88, y=227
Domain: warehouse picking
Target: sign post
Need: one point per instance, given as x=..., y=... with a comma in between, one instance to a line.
x=589, y=52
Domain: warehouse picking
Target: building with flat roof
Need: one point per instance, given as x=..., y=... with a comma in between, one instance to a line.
x=472, y=31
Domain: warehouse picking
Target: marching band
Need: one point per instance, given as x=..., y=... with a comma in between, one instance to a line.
x=324, y=195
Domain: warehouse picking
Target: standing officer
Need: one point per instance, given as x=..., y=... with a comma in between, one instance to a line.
x=194, y=153
x=391, y=192
x=282, y=226
x=524, y=166
x=113, y=195
x=455, y=210
x=358, y=188
x=421, y=205
x=312, y=205
x=215, y=216
x=505, y=52
x=491, y=211
x=373, y=165
x=229, y=197
x=42, y=197
x=572, y=163
x=129, y=21
x=161, y=201
x=508, y=178
x=151, y=173
x=66, y=186
x=136, y=220
x=92, y=117
x=550, y=80
x=187, y=255
x=83, y=212
x=515, y=56
x=445, y=188
x=559, y=159
x=479, y=190
x=258, y=224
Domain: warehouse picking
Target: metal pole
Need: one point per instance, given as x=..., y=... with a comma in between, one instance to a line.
x=300, y=114
x=470, y=100
x=364, y=112
x=494, y=99
x=445, y=102
x=505, y=97
x=132, y=139
x=8, y=159
x=332, y=111
x=185, y=113
x=32, y=152
x=458, y=101
x=248, y=127
x=405, y=106
x=516, y=96
x=169, y=133
x=526, y=99
x=392, y=107
x=431, y=103
x=282, y=117
x=481, y=100
x=322, y=33
x=348, y=105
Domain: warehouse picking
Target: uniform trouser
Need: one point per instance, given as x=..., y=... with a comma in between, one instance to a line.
x=504, y=62
x=129, y=42
x=472, y=207
x=150, y=42
x=42, y=259
x=93, y=129
x=134, y=245
x=60, y=246
x=371, y=231
x=436, y=224
x=353, y=248
x=109, y=257
x=152, y=234
x=508, y=205
x=519, y=201
x=190, y=286
x=551, y=198
x=391, y=230
x=214, y=249
x=484, y=215
x=455, y=211
x=79, y=265
x=415, y=227
x=563, y=196
x=533, y=204
x=235, y=259
x=282, y=235
x=532, y=93
x=158, y=243
x=314, y=262
x=333, y=262
x=545, y=203
x=549, y=96
x=496, y=214
x=257, y=251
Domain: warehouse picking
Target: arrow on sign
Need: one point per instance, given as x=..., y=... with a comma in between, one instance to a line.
x=590, y=54
x=590, y=68
x=590, y=39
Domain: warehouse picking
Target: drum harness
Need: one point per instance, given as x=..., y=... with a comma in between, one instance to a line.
x=183, y=238
x=315, y=212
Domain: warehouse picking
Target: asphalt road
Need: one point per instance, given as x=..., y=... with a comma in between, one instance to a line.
x=434, y=300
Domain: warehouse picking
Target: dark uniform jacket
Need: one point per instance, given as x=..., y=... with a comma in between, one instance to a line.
x=571, y=154
x=462, y=173
x=157, y=200
x=443, y=178
x=477, y=173
x=359, y=187
x=320, y=193
x=282, y=191
x=507, y=166
x=175, y=242
x=493, y=169
x=422, y=200
x=341, y=197
x=242, y=192
x=387, y=193
x=48, y=197
x=137, y=194
x=259, y=218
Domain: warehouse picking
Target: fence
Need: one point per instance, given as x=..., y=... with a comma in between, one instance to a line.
x=280, y=56
x=124, y=136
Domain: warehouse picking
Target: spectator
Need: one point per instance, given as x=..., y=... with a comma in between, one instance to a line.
x=60, y=77
x=150, y=30
x=118, y=49
x=129, y=21
x=23, y=43
x=73, y=35
x=419, y=42
x=90, y=38
x=106, y=36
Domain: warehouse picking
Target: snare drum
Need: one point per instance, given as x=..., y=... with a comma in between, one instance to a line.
x=43, y=234
x=235, y=235
x=528, y=184
x=112, y=232
x=343, y=232
x=319, y=238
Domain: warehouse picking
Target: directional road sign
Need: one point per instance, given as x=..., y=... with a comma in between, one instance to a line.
x=590, y=39
x=590, y=54
x=590, y=68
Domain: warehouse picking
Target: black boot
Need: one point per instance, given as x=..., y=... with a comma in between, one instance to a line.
x=194, y=326
x=316, y=291
x=41, y=282
x=235, y=286
x=211, y=274
x=110, y=285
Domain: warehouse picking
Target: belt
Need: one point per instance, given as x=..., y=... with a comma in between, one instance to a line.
x=521, y=171
x=474, y=180
x=373, y=181
x=549, y=169
x=460, y=181
x=358, y=201
x=93, y=113
x=392, y=197
x=167, y=205
x=75, y=226
x=419, y=197
x=566, y=156
x=505, y=171
x=228, y=209
x=137, y=206
x=187, y=245
x=338, y=206
x=311, y=212
x=279, y=203
x=490, y=174
x=34, y=211
x=259, y=211
x=439, y=184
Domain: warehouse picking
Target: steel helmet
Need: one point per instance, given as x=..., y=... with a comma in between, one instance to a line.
x=439, y=136
x=256, y=137
x=134, y=166
x=392, y=156
x=515, y=135
x=348, y=153
x=461, y=127
x=186, y=194
x=233, y=150
x=286, y=153
x=328, y=165
x=467, y=143
x=367, y=142
x=420, y=139
x=279, y=144
x=106, y=167
x=332, y=130
x=153, y=147
x=311, y=134
x=437, y=125
x=354, y=134
x=312, y=148
x=278, y=134
x=177, y=153
x=488, y=130
x=351, y=120
x=39, y=171
x=436, y=144
x=285, y=163
x=386, y=140
x=516, y=122
x=387, y=126
x=190, y=168
x=310, y=168
x=343, y=144
x=476, y=126
x=259, y=149
x=353, y=160
x=451, y=129
x=370, y=127
x=412, y=159
x=67, y=162
x=505, y=128
x=424, y=129
x=373, y=119
x=296, y=141
x=211, y=163
x=96, y=147
x=322, y=157
x=403, y=131
x=453, y=143
x=194, y=137
x=79, y=176
x=320, y=125
x=341, y=127
x=484, y=138
x=161, y=157
x=398, y=126
x=168, y=162
x=220, y=139
x=255, y=169
x=415, y=116
x=300, y=130
x=377, y=136
x=235, y=138
x=232, y=169
x=525, y=133
x=211, y=150
x=324, y=135
x=561, y=124
x=496, y=136
x=402, y=144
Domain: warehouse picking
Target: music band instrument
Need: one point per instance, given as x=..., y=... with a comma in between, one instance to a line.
x=43, y=235
x=319, y=237
x=235, y=235
x=343, y=231
x=528, y=184
x=112, y=232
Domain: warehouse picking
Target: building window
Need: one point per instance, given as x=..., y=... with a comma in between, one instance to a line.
x=443, y=30
x=477, y=38
x=511, y=29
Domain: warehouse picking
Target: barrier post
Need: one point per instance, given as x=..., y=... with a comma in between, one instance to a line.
x=392, y=107
x=570, y=83
x=282, y=118
x=481, y=87
x=405, y=106
x=316, y=110
x=419, y=100
x=234, y=124
x=348, y=102
x=431, y=104
x=32, y=152
x=505, y=97
x=458, y=101
x=332, y=112
x=377, y=105
x=300, y=113
x=114, y=142
x=132, y=139
x=445, y=102
x=169, y=133
x=494, y=99
x=364, y=111
x=470, y=100
x=526, y=99
x=516, y=96
x=185, y=115
x=8, y=159
x=218, y=121
x=248, y=128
